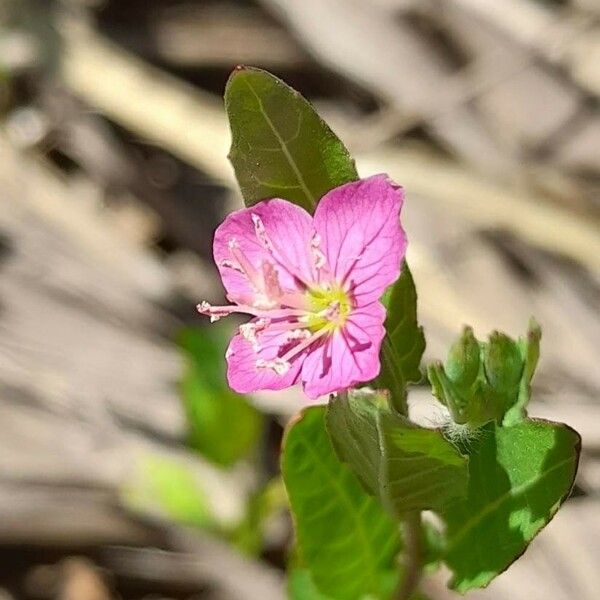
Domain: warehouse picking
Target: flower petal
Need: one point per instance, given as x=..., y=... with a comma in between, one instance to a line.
x=350, y=356
x=242, y=373
x=288, y=228
x=361, y=235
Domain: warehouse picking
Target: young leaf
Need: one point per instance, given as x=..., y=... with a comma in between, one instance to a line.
x=405, y=466
x=530, y=351
x=518, y=478
x=223, y=426
x=280, y=147
x=345, y=539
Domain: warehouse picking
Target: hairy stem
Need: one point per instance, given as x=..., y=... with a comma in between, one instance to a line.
x=413, y=557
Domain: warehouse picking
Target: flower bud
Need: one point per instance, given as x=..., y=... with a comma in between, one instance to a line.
x=503, y=365
x=462, y=365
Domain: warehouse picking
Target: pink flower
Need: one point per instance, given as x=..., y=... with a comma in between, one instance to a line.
x=313, y=286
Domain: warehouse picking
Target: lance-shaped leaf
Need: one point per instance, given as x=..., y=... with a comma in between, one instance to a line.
x=345, y=538
x=406, y=466
x=281, y=148
x=518, y=478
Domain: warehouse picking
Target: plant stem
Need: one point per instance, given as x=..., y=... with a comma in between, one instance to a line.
x=413, y=557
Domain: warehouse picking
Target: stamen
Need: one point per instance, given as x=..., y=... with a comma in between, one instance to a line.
x=279, y=365
x=261, y=232
x=205, y=308
x=317, y=254
x=303, y=344
x=298, y=334
x=271, y=280
x=267, y=244
x=249, y=330
x=253, y=275
x=214, y=312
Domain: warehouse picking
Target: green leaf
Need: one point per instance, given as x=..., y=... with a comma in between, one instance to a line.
x=351, y=421
x=407, y=467
x=420, y=469
x=404, y=343
x=302, y=587
x=223, y=426
x=280, y=146
x=518, y=478
x=402, y=326
x=530, y=352
x=345, y=538
x=170, y=488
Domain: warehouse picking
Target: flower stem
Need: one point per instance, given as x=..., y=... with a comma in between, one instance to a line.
x=413, y=557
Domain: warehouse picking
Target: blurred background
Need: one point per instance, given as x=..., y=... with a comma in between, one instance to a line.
x=127, y=468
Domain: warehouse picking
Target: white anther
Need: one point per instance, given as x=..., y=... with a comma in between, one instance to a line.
x=317, y=254
x=249, y=330
x=205, y=308
x=280, y=366
x=261, y=232
x=298, y=334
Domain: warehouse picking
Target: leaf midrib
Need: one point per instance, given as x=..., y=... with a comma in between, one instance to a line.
x=351, y=510
x=305, y=189
x=493, y=506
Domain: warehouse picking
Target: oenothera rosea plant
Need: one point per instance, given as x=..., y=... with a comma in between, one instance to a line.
x=317, y=260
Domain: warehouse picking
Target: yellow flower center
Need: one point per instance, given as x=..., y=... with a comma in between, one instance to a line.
x=329, y=308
